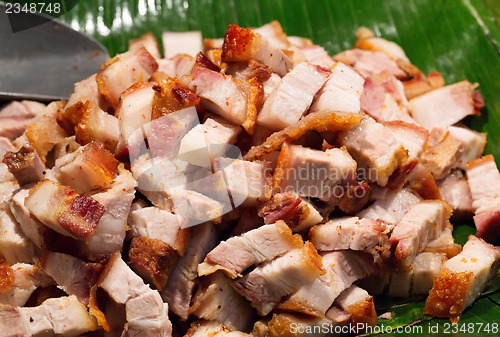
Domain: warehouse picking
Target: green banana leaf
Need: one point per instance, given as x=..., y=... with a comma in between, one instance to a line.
x=459, y=38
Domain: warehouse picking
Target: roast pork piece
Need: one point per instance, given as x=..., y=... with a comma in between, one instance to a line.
x=122, y=71
x=62, y=316
x=313, y=173
x=484, y=182
x=462, y=278
x=238, y=253
x=422, y=224
x=377, y=152
x=293, y=96
x=366, y=235
x=444, y=106
x=341, y=92
x=269, y=282
x=62, y=209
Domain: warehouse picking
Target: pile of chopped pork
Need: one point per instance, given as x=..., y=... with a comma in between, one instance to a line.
x=242, y=187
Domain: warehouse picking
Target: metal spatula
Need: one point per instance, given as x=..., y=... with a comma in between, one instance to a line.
x=43, y=62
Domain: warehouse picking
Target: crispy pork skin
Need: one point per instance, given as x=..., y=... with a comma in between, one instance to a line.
x=320, y=121
x=25, y=164
x=152, y=259
x=462, y=278
x=44, y=133
x=359, y=304
x=213, y=329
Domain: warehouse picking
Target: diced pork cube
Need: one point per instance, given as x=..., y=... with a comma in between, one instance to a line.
x=62, y=209
x=155, y=223
x=359, y=304
x=293, y=96
x=73, y=275
x=298, y=213
x=412, y=136
x=91, y=167
x=152, y=259
x=375, y=150
x=124, y=70
x=216, y=300
x=473, y=144
x=425, y=267
x=366, y=235
x=207, y=141
x=248, y=182
x=444, y=106
x=391, y=208
x=269, y=282
x=181, y=283
x=235, y=100
x=174, y=43
x=238, y=253
x=484, y=182
x=25, y=164
x=462, y=278
x=312, y=173
x=423, y=223
x=243, y=44
x=342, y=91
x=147, y=41
x=14, y=245
x=455, y=190
x=27, y=278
